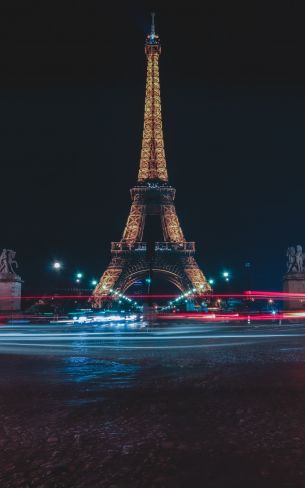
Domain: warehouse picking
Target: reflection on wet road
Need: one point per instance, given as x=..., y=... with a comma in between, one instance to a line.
x=140, y=336
x=114, y=356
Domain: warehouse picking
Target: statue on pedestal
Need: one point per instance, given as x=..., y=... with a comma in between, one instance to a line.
x=294, y=279
x=296, y=258
x=10, y=282
x=7, y=261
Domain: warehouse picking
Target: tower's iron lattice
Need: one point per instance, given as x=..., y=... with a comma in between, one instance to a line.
x=131, y=257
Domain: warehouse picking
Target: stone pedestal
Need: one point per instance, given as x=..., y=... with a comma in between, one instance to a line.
x=294, y=283
x=10, y=292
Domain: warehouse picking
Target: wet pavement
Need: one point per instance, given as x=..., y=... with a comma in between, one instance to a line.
x=167, y=404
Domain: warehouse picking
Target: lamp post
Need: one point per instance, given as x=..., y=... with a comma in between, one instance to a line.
x=248, y=275
x=57, y=267
x=227, y=278
x=226, y=275
x=78, y=280
x=148, y=281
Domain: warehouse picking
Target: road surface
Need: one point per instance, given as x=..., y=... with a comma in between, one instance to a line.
x=150, y=404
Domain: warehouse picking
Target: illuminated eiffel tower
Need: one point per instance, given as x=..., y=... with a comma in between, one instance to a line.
x=139, y=253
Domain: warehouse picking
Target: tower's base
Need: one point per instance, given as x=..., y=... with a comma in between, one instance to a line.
x=178, y=267
x=10, y=292
x=294, y=283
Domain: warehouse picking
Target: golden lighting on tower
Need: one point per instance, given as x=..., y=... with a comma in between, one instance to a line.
x=132, y=258
x=152, y=162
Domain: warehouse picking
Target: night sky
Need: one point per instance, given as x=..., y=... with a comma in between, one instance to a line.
x=72, y=100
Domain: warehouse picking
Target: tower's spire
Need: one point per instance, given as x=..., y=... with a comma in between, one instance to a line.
x=152, y=162
x=152, y=30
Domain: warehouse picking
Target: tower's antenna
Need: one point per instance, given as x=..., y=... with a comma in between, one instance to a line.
x=152, y=32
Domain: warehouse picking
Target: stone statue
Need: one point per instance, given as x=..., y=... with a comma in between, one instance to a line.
x=294, y=279
x=291, y=259
x=296, y=259
x=7, y=261
x=299, y=259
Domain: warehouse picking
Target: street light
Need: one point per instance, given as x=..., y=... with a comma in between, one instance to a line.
x=211, y=281
x=94, y=282
x=79, y=275
x=57, y=266
x=225, y=274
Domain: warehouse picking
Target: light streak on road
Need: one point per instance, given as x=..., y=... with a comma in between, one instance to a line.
x=151, y=338
x=64, y=339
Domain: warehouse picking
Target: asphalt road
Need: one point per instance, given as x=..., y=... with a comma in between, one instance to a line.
x=141, y=337
x=168, y=404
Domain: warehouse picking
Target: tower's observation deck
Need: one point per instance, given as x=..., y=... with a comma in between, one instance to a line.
x=120, y=246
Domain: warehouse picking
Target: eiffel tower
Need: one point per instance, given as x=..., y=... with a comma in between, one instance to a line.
x=139, y=254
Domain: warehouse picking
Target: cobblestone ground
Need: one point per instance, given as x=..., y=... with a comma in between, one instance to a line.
x=214, y=426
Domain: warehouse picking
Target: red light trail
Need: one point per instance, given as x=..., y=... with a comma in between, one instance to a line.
x=259, y=295
x=241, y=317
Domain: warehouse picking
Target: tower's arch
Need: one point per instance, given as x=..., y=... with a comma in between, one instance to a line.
x=169, y=276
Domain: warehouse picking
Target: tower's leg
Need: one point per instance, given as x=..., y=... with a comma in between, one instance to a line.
x=133, y=231
x=195, y=275
x=170, y=223
x=107, y=282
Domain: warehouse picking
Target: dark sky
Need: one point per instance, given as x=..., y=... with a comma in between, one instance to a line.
x=72, y=97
